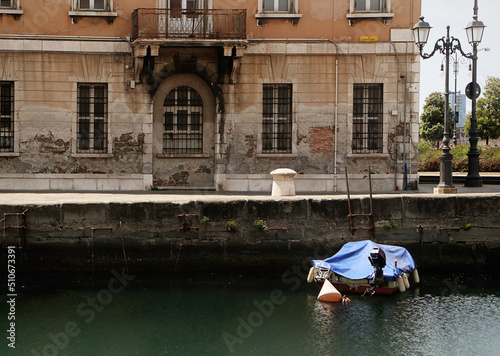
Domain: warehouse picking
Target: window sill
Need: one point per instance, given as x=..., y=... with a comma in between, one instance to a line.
x=384, y=16
x=294, y=18
x=182, y=155
x=9, y=154
x=368, y=155
x=13, y=12
x=110, y=16
x=92, y=155
x=277, y=15
x=276, y=155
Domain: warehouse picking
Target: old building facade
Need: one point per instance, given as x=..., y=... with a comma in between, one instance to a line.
x=208, y=94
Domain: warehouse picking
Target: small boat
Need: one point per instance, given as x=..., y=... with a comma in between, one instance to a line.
x=366, y=267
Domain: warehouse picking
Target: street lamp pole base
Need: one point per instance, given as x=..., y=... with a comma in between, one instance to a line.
x=473, y=182
x=445, y=190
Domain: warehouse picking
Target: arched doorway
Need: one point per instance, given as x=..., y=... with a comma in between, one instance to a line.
x=184, y=133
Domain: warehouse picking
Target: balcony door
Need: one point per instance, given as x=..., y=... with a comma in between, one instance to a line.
x=182, y=19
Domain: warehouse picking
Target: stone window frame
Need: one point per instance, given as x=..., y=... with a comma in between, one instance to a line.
x=292, y=14
x=91, y=152
x=10, y=132
x=369, y=111
x=14, y=8
x=385, y=14
x=107, y=13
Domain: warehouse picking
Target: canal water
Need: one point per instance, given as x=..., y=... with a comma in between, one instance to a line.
x=447, y=314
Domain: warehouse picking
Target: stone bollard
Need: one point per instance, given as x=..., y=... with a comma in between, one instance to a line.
x=283, y=182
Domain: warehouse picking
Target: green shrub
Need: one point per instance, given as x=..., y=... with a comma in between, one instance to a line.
x=259, y=224
x=428, y=158
x=231, y=225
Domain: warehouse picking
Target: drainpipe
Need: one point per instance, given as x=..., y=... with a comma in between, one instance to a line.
x=336, y=120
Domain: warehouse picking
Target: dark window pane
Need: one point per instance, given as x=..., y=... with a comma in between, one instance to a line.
x=182, y=120
x=360, y=5
x=6, y=3
x=195, y=121
x=195, y=99
x=84, y=134
x=84, y=4
x=169, y=121
x=100, y=4
x=182, y=96
x=268, y=5
x=99, y=134
x=84, y=101
x=375, y=5
x=6, y=99
x=283, y=5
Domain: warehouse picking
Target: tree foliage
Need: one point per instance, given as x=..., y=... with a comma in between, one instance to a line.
x=487, y=112
x=432, y=118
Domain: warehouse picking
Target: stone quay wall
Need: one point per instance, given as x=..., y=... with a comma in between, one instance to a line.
x=152, y=235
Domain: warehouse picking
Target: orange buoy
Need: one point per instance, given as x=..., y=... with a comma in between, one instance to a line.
x=329, y=293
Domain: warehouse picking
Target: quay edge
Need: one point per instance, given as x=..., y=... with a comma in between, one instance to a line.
x=147, y=235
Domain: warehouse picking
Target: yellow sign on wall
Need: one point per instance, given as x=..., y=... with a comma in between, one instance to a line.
x=368, y=38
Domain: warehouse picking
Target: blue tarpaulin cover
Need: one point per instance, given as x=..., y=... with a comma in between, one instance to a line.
x=352, y=261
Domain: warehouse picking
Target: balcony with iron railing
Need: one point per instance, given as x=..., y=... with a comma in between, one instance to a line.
x=175, y=24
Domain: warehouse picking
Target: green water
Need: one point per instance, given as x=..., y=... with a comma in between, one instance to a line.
x=446, y=315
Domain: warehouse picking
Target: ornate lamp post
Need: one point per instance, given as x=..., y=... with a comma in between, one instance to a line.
x=447, y=46
x=475, y=31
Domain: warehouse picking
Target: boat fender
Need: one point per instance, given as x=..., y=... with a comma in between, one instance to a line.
x=401, y=284
x=416, y=277
x=329, y=293
x=406, y=281
x=310, y=276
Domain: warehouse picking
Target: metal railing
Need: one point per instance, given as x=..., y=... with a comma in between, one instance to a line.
x=155, y=24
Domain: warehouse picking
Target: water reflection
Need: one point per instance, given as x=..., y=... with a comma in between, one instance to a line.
x=191, y=319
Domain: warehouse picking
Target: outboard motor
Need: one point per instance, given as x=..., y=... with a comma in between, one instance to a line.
x=377, y=259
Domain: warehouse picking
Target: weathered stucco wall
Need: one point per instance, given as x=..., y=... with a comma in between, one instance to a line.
x=439, y=231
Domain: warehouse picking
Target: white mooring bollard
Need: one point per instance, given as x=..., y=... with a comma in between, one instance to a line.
x=283, y=182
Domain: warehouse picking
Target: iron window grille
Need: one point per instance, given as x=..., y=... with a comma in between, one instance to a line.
x=6, y=116
x=367, y=118
x=183, y=122
x=92, y=130
x=277, y=118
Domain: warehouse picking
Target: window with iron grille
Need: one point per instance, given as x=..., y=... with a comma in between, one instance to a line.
x=6, y=116
x=183, y=122
x=92, y=130
x=367, y=118
x=277, y=118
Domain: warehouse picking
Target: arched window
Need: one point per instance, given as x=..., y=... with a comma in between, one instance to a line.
x=183, y=122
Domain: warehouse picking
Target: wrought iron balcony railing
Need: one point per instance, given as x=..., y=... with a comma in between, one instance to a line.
x=157, y=24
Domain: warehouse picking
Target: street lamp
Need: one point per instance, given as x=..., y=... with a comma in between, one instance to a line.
x=448, y=46
x=474, y=31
